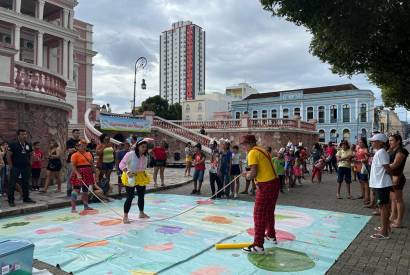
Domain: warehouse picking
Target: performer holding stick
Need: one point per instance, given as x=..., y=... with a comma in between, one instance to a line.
x=267, y=185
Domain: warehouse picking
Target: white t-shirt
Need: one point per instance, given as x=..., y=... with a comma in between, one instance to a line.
x=236, y=158
x=378, y=175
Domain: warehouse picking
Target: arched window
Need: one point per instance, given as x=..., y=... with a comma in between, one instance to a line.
x=322, y=135
x=309, y=113
x=296, y=112
x=321, y=114
x=346, y=112
x=285, y=113
x=346, y=134
x=363, y=112
x=237, y=115
x=255, y=114
x=264, y=113
x=199, y=107
x=333, y=135
x=333, y=114
x=274, y=113
x=187, y=108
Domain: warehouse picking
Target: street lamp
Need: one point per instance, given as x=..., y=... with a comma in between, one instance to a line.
x=139, y=64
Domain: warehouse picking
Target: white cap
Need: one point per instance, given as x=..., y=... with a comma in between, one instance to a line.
x=378, y=137
x=282, y=150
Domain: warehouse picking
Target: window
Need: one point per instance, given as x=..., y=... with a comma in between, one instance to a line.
x=199, y=117
x=274, y=113
x=237, y=115
x=187, y=108
x=321, y=114
x=333, y=114
x=296, y=112
x=322, y=136
x=187, y=117
x=199, y=107
x=255, y=114
x=285, y=113
x=309, y=113
x=346, y=113
x=333, y=135
x=264, y=114
x=363, y=112
x=346, y=134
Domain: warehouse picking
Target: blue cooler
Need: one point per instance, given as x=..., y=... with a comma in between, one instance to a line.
x=16, y=257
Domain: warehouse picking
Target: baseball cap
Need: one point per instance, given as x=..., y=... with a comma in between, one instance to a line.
x=378, y=137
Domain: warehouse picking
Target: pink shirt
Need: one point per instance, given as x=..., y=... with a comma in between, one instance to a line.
x=133, y=163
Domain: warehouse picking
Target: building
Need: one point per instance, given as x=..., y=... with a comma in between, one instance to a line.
x=45, y=68
x=205, y=107
x=390, y=123
x=341, y=111
x=240, y=90
x=182, y=62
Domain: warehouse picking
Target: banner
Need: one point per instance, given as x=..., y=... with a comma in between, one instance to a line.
x=125, y=124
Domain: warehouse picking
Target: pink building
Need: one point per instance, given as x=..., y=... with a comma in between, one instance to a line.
x=45, y=68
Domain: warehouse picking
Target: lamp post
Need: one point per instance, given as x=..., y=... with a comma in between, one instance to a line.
x=139, y=64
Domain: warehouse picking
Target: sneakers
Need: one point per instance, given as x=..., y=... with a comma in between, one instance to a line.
x=253, y=249
x=193, y=192
x=271, y=239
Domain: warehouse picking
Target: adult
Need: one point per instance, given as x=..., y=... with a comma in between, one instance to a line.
x=159, y=154
x=134, y=164
x=398, y=156
x=361, y=168
x=199, y=166
x=316, y=152
x=331, y=157
x=53, y=166
x=133, y=142
x=83, y=175
x=225, y=165
x=19, y=162
x=70, y=150
x=123, y=150
x=381, y=183
x=262, y=170
x=344, y=170
x=92, y=146
x=105, y=153
x=188, y=159
x=3, y=154
x=202, y=131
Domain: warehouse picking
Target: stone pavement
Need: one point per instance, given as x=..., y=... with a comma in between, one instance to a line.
x=364, y=255
x=174, y=177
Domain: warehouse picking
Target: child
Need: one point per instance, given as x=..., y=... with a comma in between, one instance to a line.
x=36, y=164
x=199, y=163
x=134, y=165
x=213, y=176
x=225, y=161
x=235, y=170
x=297, y=170
x=289, y=163
x=318, y=168
x=279, y=164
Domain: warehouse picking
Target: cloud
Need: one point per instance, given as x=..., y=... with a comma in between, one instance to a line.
x=243, y=43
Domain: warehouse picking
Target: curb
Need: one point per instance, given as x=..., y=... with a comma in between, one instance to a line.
x=43, y=207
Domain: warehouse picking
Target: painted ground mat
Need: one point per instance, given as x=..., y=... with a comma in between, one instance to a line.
x=96, y=242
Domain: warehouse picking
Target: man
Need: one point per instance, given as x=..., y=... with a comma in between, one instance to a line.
x=70, y=149
x=19, y=161
x=267, y=185
x=134, y=139
x=92, y=146
x=381, y=184
x=202, y=131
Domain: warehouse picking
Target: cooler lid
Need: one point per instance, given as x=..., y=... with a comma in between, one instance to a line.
x=9, y=246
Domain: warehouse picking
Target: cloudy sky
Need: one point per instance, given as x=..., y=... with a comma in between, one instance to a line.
x=243, y=43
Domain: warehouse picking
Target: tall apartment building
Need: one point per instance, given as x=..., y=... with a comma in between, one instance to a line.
x=182, y=62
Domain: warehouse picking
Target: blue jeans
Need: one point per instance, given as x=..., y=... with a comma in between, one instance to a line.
x=224, y=178
x=2, y=177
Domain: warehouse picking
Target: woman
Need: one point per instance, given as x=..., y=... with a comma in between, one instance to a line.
x=224, y=166
x=105, y=153
x=344, y=170
x=133, y=166
x=199, y=169
x=160, y=160
x=188, y=159
x=361, y=168
x=398, y=157
x=83, y=175
x=53, y=167
x=316, y=153
x=236, y=170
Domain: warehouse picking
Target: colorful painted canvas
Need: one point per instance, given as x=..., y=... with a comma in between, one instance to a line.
x=96, y=242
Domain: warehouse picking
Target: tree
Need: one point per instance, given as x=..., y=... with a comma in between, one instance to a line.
x=161, y=108
x=358, y=36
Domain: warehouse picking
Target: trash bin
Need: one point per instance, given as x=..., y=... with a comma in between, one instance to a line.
x=16, y=257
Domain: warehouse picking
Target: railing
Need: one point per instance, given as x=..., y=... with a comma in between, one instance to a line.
x=90, y=132
x=209, y=124
x=273, y=123
x=32, y=78
x=182, y=132
x=308, y=126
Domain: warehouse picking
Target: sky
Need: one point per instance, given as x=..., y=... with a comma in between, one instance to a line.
x=244, y=43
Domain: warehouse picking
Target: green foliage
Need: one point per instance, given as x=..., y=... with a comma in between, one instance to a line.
x=161, y=108
x=358, y=36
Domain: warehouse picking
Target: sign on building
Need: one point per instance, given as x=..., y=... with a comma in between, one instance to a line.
x=125, y=124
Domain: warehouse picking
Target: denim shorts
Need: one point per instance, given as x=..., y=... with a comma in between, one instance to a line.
x=344, y=174
x=107, y=166
x=362, y=177
x=199, y=175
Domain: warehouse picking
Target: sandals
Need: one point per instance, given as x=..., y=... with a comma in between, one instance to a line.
x=379, y=236
x=253, y=249
x=395, y=225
